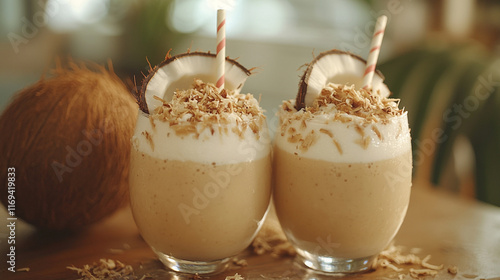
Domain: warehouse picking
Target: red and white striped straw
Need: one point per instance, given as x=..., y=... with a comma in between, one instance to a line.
x=371, y=63
x=221, y=48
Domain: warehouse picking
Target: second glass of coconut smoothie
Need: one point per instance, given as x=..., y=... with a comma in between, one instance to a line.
x=200, y=170
x=342, y=166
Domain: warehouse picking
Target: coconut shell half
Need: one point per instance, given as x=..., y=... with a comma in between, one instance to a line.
x=335, y=66
x=178, y=72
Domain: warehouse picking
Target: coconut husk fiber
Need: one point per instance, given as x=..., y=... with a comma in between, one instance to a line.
x=68, y=138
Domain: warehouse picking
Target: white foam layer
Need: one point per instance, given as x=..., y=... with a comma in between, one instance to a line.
x=395, y=138
x=221, y=147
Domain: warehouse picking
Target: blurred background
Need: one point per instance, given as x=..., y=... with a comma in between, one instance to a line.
x=442, y=58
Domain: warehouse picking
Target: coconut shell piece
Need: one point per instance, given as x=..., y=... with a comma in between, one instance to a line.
x=179, y=72
x=334, y=66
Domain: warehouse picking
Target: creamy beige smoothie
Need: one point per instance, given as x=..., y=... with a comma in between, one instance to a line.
x=197, y=211
x=342, y=171
x=345, y=210
x=200, y=176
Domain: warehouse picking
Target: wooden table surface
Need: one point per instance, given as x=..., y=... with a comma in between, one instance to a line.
x=453, y=231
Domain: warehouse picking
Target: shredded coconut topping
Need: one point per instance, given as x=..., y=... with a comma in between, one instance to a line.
x=204, y=104
x=362, y=103
x=342, y=102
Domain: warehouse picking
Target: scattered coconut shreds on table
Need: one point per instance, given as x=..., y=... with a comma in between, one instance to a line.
x=394, y=259
x=24, y=269
x=239, y=262
x=125, y=247
x=236, y=276
x=105, y=269
x=453, y=270
x=115, y=251
x=271, y=239
x=417, y=273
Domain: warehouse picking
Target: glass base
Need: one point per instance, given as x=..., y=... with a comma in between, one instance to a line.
x=329, y=265
x=193, y=267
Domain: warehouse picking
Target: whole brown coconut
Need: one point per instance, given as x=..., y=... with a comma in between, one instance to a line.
x=68, y=139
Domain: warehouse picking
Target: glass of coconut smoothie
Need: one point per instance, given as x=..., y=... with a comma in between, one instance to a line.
x=200, y=175
x=342, y=166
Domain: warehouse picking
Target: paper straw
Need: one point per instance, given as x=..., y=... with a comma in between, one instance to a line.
x=221, y=48
x=378, y=35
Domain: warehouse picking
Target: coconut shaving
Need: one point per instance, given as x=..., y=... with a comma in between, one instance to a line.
x=342, y=102
x=204, y=104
